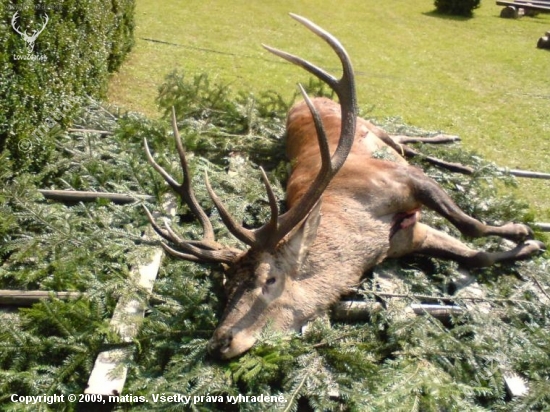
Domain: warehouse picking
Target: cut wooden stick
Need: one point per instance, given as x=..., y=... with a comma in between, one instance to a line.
x=355, y=310
x=453, y=167
x=83, y=196
x=544, y=227
x=437, y=311
x=30, y=297
x=515, y=384
x=358, y=310
x=438, y=139
x=110, y=369
x=526, y=173
x=90, y=131
x=460, y=168
x=407, y=151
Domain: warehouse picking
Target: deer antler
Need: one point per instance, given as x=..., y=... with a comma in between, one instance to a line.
x=13, y=20
x=269, y=235
x=206, y=249
x=36, y=34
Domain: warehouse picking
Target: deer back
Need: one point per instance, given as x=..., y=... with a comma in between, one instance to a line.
x=359, y=171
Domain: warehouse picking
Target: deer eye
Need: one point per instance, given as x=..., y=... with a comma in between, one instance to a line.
x=270, y=281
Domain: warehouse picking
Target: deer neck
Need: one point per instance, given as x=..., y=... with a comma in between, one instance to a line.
x=348, y=243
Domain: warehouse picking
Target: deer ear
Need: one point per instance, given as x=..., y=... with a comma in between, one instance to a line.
x=301, y=237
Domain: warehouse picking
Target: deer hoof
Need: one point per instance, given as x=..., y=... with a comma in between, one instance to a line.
x=531, y=247
x=517, y=232
x=541, y=246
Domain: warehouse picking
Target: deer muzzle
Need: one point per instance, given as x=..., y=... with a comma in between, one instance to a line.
x=226, y=344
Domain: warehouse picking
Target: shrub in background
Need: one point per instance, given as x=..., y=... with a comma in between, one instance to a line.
x=81, y=43
x=457, y=7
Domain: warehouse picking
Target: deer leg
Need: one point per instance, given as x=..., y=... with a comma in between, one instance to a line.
x=430, y=194
x=423, y=239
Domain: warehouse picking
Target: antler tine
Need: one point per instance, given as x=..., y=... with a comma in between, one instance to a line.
x=345, y=89
x=203, y=252
x=272, y=200
x=254, y=238
x=210, y=251
x=185, y=190
x=164, y=234
x=339, y=86
x=320, y=130
x=250, y=237
x=179, y=255
x=244, y=235
x=316, y=71
x=169, y=179
x=206, y=249
x=213, y=256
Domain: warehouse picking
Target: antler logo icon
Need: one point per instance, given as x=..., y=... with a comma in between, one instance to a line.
x=29, y=38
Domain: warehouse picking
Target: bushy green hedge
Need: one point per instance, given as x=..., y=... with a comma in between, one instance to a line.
x=456, y=7
x=81, y=43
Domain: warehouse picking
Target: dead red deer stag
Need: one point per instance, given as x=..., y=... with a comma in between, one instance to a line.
x=347, y=212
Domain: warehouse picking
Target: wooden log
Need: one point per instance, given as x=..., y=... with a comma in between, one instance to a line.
x=30, y=297
x=437, y=311
x=438, y=139
x=352, y=310
x=543, y=227
x=467, y=170
x=527, y=173
x=109, y=373
x=357, y=310
x=453, y=167
x=105, y=132
x=84, y=196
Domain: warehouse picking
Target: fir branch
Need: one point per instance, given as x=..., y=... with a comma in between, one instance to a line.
x=392, y=362
x=296, y=391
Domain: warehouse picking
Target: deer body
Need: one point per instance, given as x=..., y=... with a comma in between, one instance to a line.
x=359, y=205
x=352, y=201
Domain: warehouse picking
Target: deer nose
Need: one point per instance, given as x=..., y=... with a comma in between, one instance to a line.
x=220, y=344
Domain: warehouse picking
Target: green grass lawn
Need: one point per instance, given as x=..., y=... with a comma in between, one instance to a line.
x=481, y=78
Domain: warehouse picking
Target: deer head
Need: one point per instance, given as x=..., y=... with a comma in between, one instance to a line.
x=270, y=283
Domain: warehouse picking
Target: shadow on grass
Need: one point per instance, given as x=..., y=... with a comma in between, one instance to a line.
x=442, y=16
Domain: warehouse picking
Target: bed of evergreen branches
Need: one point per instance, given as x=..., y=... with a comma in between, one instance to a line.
x=393, y=362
